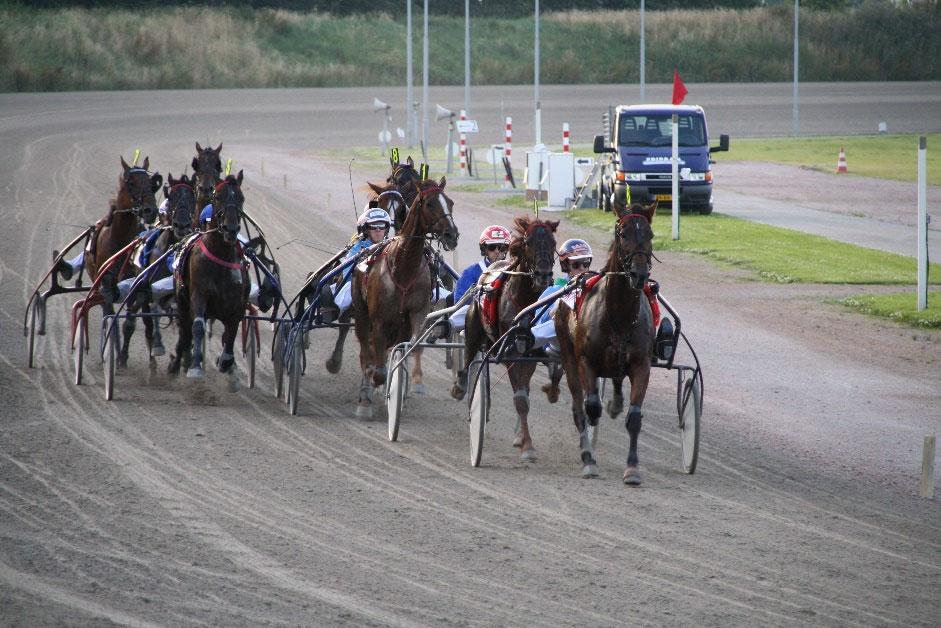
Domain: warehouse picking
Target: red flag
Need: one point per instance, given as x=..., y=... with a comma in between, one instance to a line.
x=679, y=90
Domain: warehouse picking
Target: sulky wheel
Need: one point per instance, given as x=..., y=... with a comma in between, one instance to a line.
x=79, y=347
x=109, y=356
x=690, y=404
x=35, y=326
x=395, y=391
x=296, y=369
x=277, y=358
x=479, y=411
x=250, y=350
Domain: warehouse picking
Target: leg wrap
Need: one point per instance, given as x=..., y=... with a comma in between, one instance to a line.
x=634, y=418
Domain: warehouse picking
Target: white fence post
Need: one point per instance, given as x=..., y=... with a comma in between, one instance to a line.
x=922, y=224
x=508, y=147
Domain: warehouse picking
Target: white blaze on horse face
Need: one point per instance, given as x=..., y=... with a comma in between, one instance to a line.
x=444, y=209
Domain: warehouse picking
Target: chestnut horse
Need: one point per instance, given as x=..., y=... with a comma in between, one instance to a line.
x=207, y=172
x=613, y=337
x=527, y=272
x=132, y=208
x=213, y=283
x=390, y=302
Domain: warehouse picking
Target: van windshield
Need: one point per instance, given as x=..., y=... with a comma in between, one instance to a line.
x=642, y=129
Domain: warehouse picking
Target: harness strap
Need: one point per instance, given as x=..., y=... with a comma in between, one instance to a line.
x=217, y=260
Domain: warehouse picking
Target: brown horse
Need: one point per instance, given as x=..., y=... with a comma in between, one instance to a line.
x=389, y=198
x=405, y=179
x=392, y=299
x=528, y=272
x=134, y=206
x=207, y=172
x=613, y=337
x=213, y=283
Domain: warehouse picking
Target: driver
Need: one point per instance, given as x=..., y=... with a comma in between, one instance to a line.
x=494, y=244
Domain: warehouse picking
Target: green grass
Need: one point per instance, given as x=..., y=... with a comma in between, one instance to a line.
x=773, y=254
x=899, y=307
x=881, y=156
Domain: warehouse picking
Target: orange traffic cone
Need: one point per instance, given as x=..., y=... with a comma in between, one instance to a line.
x=841, y=163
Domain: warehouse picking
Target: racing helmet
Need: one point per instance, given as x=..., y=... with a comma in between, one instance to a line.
x=373, y=216
x=494, y=235
x=573, y=249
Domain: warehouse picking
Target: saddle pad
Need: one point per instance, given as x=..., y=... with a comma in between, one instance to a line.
x=141, y=257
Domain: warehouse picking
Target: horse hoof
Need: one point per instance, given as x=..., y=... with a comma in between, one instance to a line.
x=364, y=411
x=589, y=471
x=632, y=476
x=518, y=441
x=158, y=352
x=333, y=366
x=418, y=389
x=552, y=392
x=528, y=456
x=457, y=393
x=233, y=381
x=195, y=373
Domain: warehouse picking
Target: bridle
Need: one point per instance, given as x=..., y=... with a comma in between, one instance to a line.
x=137, y=201
x=435, y=230
x=221, y=206
x=208, y=174
x=181, y=203
x=626, y=260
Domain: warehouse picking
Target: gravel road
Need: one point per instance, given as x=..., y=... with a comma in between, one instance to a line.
x=181, y=504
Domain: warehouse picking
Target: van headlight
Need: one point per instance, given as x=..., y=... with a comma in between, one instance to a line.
x=699, y=176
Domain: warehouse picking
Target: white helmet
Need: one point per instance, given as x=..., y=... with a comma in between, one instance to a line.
x=373, y=216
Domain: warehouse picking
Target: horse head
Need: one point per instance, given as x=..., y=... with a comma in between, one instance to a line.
x=534, y=248
x=432, y=210
x=389, y=198
x=137, y=188
x=207, y=170
x=406, y=180
x=633, y=249
x=227, y=201
x=181, y=204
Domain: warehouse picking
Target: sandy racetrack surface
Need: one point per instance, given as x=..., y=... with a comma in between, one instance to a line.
x=183, y=504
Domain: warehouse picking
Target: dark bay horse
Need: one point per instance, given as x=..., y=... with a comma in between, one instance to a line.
x=613, y=337
x=391, y=301
x=405, y=179
x=213, y=283
x=134, y=206
x=527, y=272
x=207, y=172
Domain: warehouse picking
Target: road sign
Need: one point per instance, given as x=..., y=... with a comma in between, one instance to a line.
x=466, y=126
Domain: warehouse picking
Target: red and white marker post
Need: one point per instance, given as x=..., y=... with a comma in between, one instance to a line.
x=565, y=137
x=508, y=147
x=463, y=147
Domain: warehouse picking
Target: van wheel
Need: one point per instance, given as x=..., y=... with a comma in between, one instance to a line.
x=705, y=210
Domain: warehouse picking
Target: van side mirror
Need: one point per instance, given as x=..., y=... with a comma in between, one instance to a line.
x=723, y=144
x=600, y=146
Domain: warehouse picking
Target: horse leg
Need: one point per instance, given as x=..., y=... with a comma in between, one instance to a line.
x=639, y=373
x=589, y=381
x=520, y=374
x=335, y=361
x=199, y=333
x=152, y=328
x=418, y=388
x=615, y=404
x=226, y=361
x=378, y=361
x=184, y=340
x=473, y=341
x=364, y=408
x=127, y=327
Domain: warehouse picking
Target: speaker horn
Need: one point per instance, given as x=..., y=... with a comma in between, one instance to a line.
x=441, y=113
x=378, y=105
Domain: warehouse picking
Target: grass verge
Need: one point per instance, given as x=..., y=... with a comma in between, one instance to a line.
x=899, y=307
x=772, y=253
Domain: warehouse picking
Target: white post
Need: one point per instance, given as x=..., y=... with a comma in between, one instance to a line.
x=424, y=91
x=922, y=224
x=463, y=141
x=643, y=61
x=565, y=137
x=796, y=64
x=675, y=176
x=410, y=129
x=508, y=148
x=927, y=468
x=538, y=116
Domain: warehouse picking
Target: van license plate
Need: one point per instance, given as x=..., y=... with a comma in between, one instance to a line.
x=663, y=197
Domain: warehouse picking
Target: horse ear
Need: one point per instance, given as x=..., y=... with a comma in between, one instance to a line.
x=219, y=148
x=410, y=162
x=375, y=188
x=185, y=179
x=239, y=178
x=649, y=211
x=442, y=183
x=146, y=163
x=156, y=181
x=124, y=164
x=195, y=164
x=199, y=148
x=553, y=224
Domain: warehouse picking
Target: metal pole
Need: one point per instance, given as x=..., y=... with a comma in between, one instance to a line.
x=922, y=224
x=411, y=131
x=424, y=90
x=674, y=169
x=797, y=127
x=467, y=56
x=643, y=57
x=538, y=116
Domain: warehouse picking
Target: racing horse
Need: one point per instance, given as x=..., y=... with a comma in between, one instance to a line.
x=207, y=172
x=212, y=283
x=133, y=206
x=405, y=179
x=391, y=199
x=391, y=300
x=612, y=336
x=523, y=276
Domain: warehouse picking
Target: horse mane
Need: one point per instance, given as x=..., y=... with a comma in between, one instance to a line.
x=523, y=225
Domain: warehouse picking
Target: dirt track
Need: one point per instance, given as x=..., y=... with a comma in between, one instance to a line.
x=179, y=504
